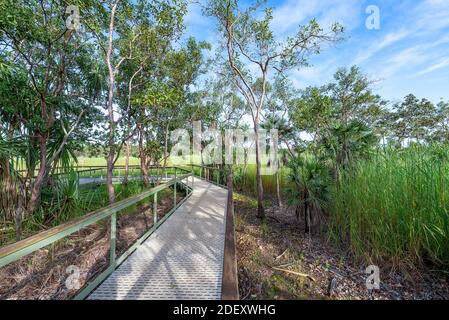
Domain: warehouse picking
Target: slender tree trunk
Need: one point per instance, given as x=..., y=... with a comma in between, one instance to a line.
x=128, y=151
x=109, y=176
x=165, y=149
x=111, y=154
x=19, y=212
x=128, y=147
x=278, y=189
x=111, y=69
x=36, y=187
x=306, y=218
x=143, y=158
x=259, y=185
x=245, y=170
x=306, y=212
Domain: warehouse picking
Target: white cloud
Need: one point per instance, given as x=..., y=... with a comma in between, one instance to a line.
x=292, y=13
x=444, y=62
x=317, y=74
x=403, y=59
x=388, y=40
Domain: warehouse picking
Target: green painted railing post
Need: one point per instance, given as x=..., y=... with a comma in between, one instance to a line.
x=218, y=177
x=113, y=239
x=155, y=210
x=188, y=190
x=174, y=189
x=174, y=196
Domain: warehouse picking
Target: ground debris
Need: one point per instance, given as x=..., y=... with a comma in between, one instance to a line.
x=282, y=243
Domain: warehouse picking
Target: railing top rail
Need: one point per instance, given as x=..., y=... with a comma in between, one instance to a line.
x=97, y=168
x=203, y=166
x=37, y=241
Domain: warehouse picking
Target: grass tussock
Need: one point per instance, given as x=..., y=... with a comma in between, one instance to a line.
x=395, y=207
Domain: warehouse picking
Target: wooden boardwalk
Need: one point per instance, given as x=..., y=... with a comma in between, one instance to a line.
x=183, y=259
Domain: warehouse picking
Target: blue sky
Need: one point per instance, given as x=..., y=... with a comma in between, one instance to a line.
x=408, y=54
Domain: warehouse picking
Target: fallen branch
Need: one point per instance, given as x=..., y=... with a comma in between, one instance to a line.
x=305, y=275
x=286, y=265
x=279, y=256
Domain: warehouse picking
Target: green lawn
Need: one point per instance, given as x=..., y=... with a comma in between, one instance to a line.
x=101, y=161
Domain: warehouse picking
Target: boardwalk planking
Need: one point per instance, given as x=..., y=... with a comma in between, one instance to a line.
x=183, y=259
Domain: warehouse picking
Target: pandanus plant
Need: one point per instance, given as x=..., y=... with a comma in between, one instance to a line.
x=12, y=188
x=310, y=187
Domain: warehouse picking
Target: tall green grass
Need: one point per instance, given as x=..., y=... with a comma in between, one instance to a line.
x=395, y=207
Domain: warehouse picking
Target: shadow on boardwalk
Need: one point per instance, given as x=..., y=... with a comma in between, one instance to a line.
x=183, y=259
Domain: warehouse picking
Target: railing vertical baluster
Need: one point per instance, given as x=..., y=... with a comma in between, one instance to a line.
x=113, y=239
x=188, y=184
x=218, y=177
x=174, y=191
x=174, y=195
x=155, y=210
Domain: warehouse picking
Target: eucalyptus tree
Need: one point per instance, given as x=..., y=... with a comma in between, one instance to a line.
x=343, y=117
x=414, y=120
x=166, y=98
x=220, y=107
x=115, y=30
x=148, y=52
x=183, y=70
x=441, y=130
x=253, y=52
x=357, y=111
x=312, y=113
x=279, y=98
x=119, y=27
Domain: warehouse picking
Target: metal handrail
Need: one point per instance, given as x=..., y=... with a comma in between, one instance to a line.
x=219, y=180
x=15, y=251
x=101, y=167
